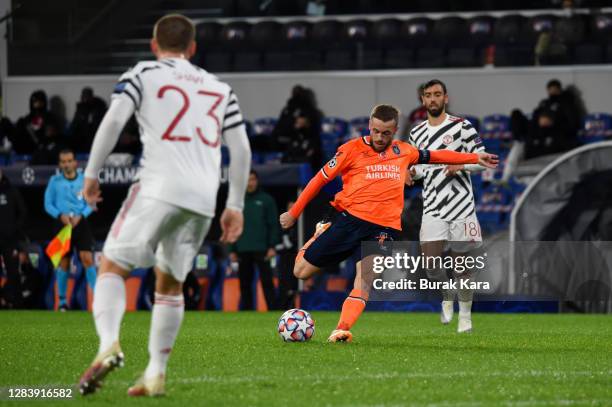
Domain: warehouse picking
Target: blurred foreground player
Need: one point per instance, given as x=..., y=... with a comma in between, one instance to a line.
x=369, y=207
x=449, y=212
x=183, y=112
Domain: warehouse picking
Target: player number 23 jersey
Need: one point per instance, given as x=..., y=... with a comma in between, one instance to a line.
x=183, y=113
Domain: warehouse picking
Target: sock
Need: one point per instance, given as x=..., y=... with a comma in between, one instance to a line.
x=440, y=275
x=465, y=297
x=62, y=284
x=108, y=308
x=352, y=308
x=465, y=309
x=90, y=275
x=166, y=321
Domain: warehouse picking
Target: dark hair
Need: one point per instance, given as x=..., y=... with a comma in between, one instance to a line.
x=253, y=172
x=385, y=113
x=66, y=151
x=555, y=83
x=431, y=83
x=174, y=32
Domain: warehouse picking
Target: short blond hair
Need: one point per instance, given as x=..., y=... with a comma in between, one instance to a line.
x=174, y=32
x=385, y=113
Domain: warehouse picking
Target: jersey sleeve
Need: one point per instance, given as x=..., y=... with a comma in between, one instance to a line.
x=129, y=87
x=233, y=116
x=470, y=138
x=338, y=162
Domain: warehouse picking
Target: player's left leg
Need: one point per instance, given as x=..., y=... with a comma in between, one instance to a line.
x=174, y=260
x=62, y=273
x=87, y=261
x=466, y=238
x=355, y=303
x=166, y=319
x=353, y=306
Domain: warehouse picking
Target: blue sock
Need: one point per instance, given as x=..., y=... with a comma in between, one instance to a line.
x=90, y=275
x=62, y=284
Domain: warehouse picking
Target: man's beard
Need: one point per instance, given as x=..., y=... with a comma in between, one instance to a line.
x=375, y=147
x=435, y=111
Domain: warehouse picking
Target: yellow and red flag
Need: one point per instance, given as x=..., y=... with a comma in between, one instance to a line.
x=60, y=245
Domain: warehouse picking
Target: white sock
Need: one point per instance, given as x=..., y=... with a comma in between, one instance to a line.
x=108, y=308
x=465, y=309
x=166, y=321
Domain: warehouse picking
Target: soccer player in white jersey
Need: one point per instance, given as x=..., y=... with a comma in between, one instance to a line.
x=184, y=113
x=449, y=211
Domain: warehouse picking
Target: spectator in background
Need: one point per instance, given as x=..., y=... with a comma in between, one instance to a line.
x=30, y=129
x=416, y=116
x=64, y=202
x=89, y=113
x=6, y=134
x=13, y=214
x=57, y=107
x=298, y=130
x=553, y=127
x=287, y=250
x=563, y=112
x=50, y=144
x=256, y=245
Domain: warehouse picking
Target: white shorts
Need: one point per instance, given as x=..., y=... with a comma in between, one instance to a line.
x=462, y=235
x=148, y=232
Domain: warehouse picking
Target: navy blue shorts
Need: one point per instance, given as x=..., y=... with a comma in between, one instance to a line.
x=344, y=237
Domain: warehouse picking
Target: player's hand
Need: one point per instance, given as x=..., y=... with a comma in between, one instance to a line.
x=75, y=220
x=270, y=253
x=410, y=173
x=91, y=191
x=65, y=219
x=232, y=222
x=488, y=160
x=286, y=220
x=451, y=170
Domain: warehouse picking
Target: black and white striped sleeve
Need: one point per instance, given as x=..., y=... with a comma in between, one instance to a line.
x=130, y=87
x=470, y=138
x=233, y=116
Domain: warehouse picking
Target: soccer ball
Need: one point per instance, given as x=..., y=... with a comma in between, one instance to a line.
x=296, y=325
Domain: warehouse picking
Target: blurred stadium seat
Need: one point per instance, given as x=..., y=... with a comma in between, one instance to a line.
x=596, y=127
x=358, y=126
x=496, y=133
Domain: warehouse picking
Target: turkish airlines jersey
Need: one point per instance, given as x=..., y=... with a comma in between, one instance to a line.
x=183, y=113
x=373, y=183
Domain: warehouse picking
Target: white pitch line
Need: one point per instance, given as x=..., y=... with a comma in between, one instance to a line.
x=515, y=403
x=379, y=376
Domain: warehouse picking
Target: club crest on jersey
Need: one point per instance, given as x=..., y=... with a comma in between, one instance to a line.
x=396, y=150
x=447, y=139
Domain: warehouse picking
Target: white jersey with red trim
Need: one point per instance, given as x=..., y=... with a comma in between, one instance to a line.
x=183, y=113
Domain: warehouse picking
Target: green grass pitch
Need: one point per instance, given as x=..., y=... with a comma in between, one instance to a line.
x=396, y=359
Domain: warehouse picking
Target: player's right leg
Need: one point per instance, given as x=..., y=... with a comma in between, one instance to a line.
x=437, y=273
x=129, y=244
x=108, y=309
